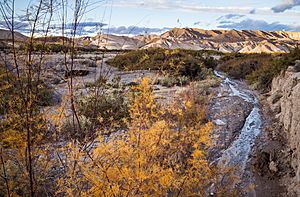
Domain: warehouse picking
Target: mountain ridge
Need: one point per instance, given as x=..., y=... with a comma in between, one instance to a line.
x=243, y=41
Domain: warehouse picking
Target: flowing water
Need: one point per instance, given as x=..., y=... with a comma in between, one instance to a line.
x=237, y=154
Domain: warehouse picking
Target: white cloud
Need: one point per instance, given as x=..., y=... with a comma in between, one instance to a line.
x=251, y=24
x=134, y=30
x=286, y=5
x=179, y=5
x=253, y=11
x=193, y=6
x=231, y=16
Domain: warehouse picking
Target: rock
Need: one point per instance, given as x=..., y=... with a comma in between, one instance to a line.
x=275, y=97
x=273, y=167
x=219, y=122
x=156, y=88
x=261, y=163
x=56, y=98
x=76, y=73
x=288, y=84
x=291, y=69
x=55, y=81
x=132, y=83
x=276, y=108
x=297, y=66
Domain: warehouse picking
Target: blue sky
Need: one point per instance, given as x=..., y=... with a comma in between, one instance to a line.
x=206, y=14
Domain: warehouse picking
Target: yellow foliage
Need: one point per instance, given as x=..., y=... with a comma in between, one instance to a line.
x=160, y=154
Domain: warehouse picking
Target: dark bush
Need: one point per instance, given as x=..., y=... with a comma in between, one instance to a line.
x=258, y=69
x=46, y=97
x=177, y=62
x=11, y=86
x=107, y=110
x=240, y=66
x=76, y=73
x=170, y=81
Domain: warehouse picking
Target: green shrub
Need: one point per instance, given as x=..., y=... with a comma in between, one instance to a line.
x=103, y=83
x=202, y=88
x=73, y=129
x=108, y=110
x=183, y=80
x=240, y=66
x=177, y=62
x=170, y=81
x=11, y=87
x=258, y=69
x=45, y=96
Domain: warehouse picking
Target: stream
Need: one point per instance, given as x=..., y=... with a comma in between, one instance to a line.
x=237, y=154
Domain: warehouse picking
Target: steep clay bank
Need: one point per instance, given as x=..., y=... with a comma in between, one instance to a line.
x=284, y=101
x=275, y=158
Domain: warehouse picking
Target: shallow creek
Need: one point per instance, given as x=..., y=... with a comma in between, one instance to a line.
x=237, y=153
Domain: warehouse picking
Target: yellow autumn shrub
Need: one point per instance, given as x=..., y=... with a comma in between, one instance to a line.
x=160, y=154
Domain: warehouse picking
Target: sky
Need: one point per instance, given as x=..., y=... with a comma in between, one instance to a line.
x=156, y=16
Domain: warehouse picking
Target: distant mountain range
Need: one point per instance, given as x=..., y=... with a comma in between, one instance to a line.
x=244, y=41
x=5, y=35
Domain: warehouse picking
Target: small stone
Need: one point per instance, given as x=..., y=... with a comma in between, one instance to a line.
x=291, y=69
x=297, y=66
x=155, y=88
x=275, y=97
x=219, y=122
x=276, y=108
x=55, y=81
x=273, y=166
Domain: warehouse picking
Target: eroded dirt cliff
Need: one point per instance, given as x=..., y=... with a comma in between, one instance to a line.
x=284, y=101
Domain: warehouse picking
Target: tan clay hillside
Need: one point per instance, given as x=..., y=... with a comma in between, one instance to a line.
x=244, y=41
x=116, y=42
x=6, y=36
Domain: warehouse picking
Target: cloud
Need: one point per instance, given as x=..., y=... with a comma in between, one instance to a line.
x=134, y=30
x=196, y=6
x=230, y=16
x=286, y=5
x=88, y=28
x=82, y=27
x=92, y=28
x=250, y=24
x=18, y=25
x=87, y=24
x=182, y=5
x=197, y=23
x=253, y=11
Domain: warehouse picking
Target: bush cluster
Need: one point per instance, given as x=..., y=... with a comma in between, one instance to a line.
x=106, y=108
x=177, y=62
x=11, y=86
x=258, y=69
x=170, y=81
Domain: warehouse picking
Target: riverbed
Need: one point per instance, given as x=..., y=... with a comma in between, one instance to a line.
x=237, y=115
